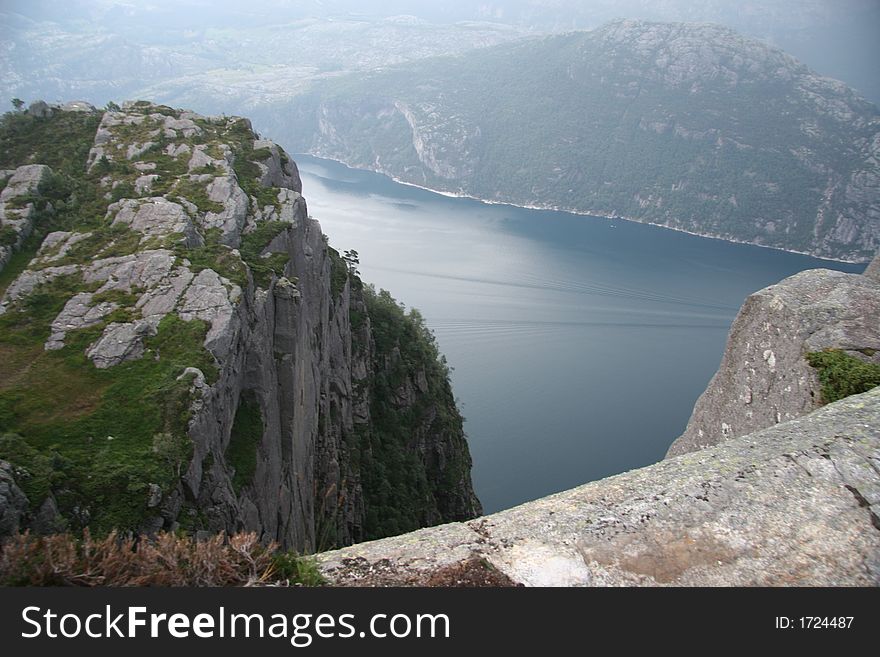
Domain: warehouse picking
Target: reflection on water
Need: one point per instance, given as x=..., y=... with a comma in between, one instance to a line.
x=578, y=345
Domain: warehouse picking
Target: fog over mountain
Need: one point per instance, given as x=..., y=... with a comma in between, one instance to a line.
x=236, y=55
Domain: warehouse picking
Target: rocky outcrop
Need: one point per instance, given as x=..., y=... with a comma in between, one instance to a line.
x=764, y=377
x=17, y=208
x=795, y=504
x=264, y=409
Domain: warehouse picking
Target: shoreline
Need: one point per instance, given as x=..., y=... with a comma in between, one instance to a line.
x=579, y=213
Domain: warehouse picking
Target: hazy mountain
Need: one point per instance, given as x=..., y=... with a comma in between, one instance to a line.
x=103, y=50
x=686, y=125
x=205, y=57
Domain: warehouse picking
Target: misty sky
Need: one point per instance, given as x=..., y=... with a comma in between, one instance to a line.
x=100, y=50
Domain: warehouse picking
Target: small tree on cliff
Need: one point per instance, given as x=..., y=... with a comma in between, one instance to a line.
x=352, y=259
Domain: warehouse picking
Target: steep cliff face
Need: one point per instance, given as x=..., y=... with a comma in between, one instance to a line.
x=216, y=359
x=765, y=377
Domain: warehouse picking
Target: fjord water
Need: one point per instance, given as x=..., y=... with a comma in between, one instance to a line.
x=578, y=344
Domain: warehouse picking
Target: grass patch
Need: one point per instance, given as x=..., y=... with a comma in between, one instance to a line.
x=252, y=246
x=241, y=138
x=61, y=141
x=197, y=193
x=247, y=432
x=89, y=436
x=292, y=568
x=217, y=256
x=105, y=241
x=8, y=236
x=843, y=375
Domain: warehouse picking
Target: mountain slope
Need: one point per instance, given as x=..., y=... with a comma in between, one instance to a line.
x=685, y=125
x=181, y=348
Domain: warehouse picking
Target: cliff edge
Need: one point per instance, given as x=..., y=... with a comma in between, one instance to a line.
x=794, y=504
x=180, y=347
x=765, y=376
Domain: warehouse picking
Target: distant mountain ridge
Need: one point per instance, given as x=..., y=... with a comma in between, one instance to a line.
x=689, y=126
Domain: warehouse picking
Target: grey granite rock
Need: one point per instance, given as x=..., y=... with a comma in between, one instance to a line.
x=156, y=217
x=212, y=299
x=231, y=220
x=77, y=106
x=144, y=184
x=120, y=342
x=48, y=520
x=140, y=270
x=39, y=109
x=25, y=180
x=57, y=244
x=764, y=377
x=29, y=280
x=134, y=151
x=162, y=297
x=79, y=312
x=277, y=170
x=201, y=159
x=185, y=125
x=21, y=184
x=177, y=150
x=795, y=504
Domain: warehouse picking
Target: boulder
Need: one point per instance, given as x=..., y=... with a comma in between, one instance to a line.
x=231, y=220
x=764, y=377
x=120, y=343
x=24, y=181
x=156, y=217
x=39, y=109
x=208, y=298
x=797, y=504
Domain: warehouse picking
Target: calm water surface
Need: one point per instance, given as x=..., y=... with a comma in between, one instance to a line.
x=578, y=344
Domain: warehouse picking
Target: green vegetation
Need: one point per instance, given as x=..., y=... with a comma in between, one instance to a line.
x=247, y=172
x=8, y=236
x=843, y=375
x=254, y=243
x=215, y=255
x=338, y=273
x=295, y=569
x=196, y=193
x=61, y=141
x=247, y=432
x=404, y=489
x=88, y=435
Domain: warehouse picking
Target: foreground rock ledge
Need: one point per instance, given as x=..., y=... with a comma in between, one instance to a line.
x=795, y=504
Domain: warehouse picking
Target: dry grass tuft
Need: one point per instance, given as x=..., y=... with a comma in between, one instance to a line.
x=164, y=560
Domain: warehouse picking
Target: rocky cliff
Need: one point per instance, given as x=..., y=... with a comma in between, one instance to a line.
x=766, y=376
x=774, y=483
x=797, y=504
x=689, y=126
x=182, y=348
